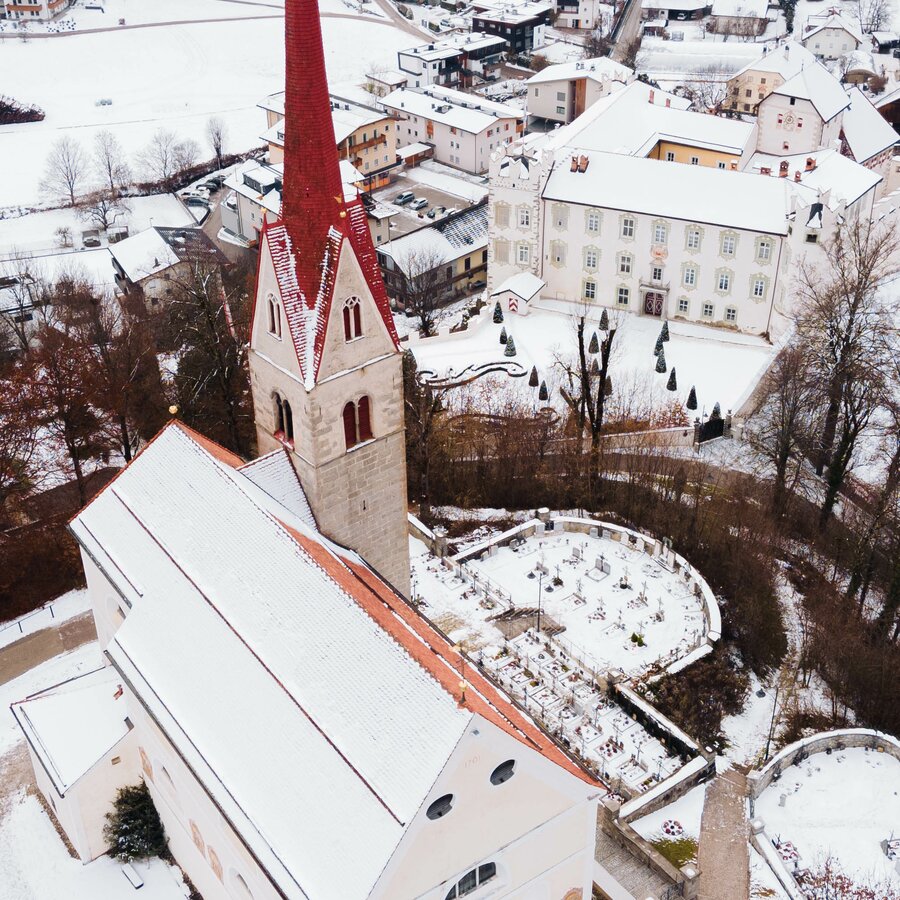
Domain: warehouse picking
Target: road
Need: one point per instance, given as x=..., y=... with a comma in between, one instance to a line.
x=628, y=30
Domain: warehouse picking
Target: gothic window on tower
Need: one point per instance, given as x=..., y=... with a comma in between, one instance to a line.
x=352, y=319
x=284, y=420
x=273, y=308
x=357, y=422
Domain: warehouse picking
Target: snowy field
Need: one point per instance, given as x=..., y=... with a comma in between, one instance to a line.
x=63, y=608
x=723, y=365
x=174, y=77
x=35, y=865
x=843, y=805
x=652, y=621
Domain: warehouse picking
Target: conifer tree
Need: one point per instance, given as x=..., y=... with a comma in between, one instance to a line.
x=716, y=413
x=595, y=366
x=594, y=346
x=661, y=362
x=544, y=394
x=672, y=384
x=503, y=337
x=659, y=345
x=533, y=378
x=498, y=313
x=664, y=333
x=133, y=829
x=607, y=388
x=604, y=321
x=692, y=398
x=510, y=347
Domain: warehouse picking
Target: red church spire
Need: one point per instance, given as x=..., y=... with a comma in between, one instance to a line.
x=313, y=193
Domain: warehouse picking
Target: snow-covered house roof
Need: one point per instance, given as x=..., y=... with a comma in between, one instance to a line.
x=466, y=112
x=671, y=190
x=276, y=475
x=859, y=62
x=786, y=61
x=831, y=21
x=442, y=242
x=73, y=725
x=740, y=9
x=817, y=85
x=865, y=131
x=676, y=5
x=599, y=69
x=820, y=172
x=314, y=705
x=523, y=284
x=144, y=254
x=454, y=45
x=634, y=119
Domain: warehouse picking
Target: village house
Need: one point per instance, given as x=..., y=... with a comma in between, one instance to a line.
x=42, y=10
x=364, y=135
x=150, y=263
x=739, y=17
x=445, y=260
x=562, y=92
x=831, y=35
x=659, y=14
x=584, y=14
x=462, y=128
x=865, y=135
x=452, y=62
x=752, y=84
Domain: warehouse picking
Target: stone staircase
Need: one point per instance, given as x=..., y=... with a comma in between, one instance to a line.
x=633, y=874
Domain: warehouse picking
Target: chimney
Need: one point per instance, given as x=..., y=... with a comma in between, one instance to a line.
x=783, y=169
x=733, y=165
x=797, y=176
x=583, y=164
x=765, y=170
x=574, y=166
x=810, y=163
x=650, y=99
x=668, y=102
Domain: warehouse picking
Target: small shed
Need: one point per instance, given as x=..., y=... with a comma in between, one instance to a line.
x=82, y=750
x=516, y=293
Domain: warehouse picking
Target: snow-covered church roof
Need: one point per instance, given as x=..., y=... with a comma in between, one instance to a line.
x=315, y=706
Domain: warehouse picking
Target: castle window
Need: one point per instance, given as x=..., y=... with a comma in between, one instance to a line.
x=471, y=880
x=273, y=308
x=352, y=319
x=357, y=422
x=440, y=807
x=284, y=420
x=503, y=772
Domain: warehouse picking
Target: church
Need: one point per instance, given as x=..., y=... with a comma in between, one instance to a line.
x=303, y=731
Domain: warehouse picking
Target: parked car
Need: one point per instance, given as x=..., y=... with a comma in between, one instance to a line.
x=404, y=198
x=196, y=201
x=212, y=185
x=477, y=285
x=218, y=180
x=90, y=238
x=194, y=194
x=418, y=203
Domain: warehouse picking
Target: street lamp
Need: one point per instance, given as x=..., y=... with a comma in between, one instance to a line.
x=540, y=596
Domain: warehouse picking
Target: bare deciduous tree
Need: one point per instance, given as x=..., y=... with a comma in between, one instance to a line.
x=708, y=89
x=216, y=134
x=102, y=209
x=109, y=161
x=165, y=157
x=424, y=284
x=66, y=170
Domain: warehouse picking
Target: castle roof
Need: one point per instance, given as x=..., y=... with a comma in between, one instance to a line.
x=313, y=703
x=318, y=223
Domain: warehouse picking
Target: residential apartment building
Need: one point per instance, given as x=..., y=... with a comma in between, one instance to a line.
x=452, y=62
x=585, y=14
x=752, y=84
x=563, y=92
x=746, y=18
x=365, y=137
x=42, y=10
x=515, y=22
x=463, y=128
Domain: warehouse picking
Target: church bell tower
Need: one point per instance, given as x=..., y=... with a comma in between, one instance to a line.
x=325, y=364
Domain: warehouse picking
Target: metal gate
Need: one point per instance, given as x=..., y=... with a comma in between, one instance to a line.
x=712, y=428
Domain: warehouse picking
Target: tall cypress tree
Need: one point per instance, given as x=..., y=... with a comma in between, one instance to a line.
x=664, y=333
x=661, y=362
x=498, y=313
x=503, y=338
x=692, y=398
x=543, y=394
x=672, y=384
x=533, y=378
x=716, y=413
x=510, y=347
x=594, y=346
x=604, y=321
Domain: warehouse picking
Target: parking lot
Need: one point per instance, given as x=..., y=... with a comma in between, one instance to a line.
x=406, y=219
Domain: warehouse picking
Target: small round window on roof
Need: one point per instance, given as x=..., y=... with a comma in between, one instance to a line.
x=440, y=807
x=503, y=772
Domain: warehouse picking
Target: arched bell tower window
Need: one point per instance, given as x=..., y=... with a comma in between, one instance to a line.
x=273, y=312
x=284, y=419
x=357, y=422
x=352, y=319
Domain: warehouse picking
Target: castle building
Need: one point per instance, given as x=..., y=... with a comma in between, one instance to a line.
x=325, y=363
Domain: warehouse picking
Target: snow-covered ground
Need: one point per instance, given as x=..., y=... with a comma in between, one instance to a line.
x=843, y=805
x=176, y=77
x=65, y=607
x=679, y=819
x=35, y=865
x=723, y=365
